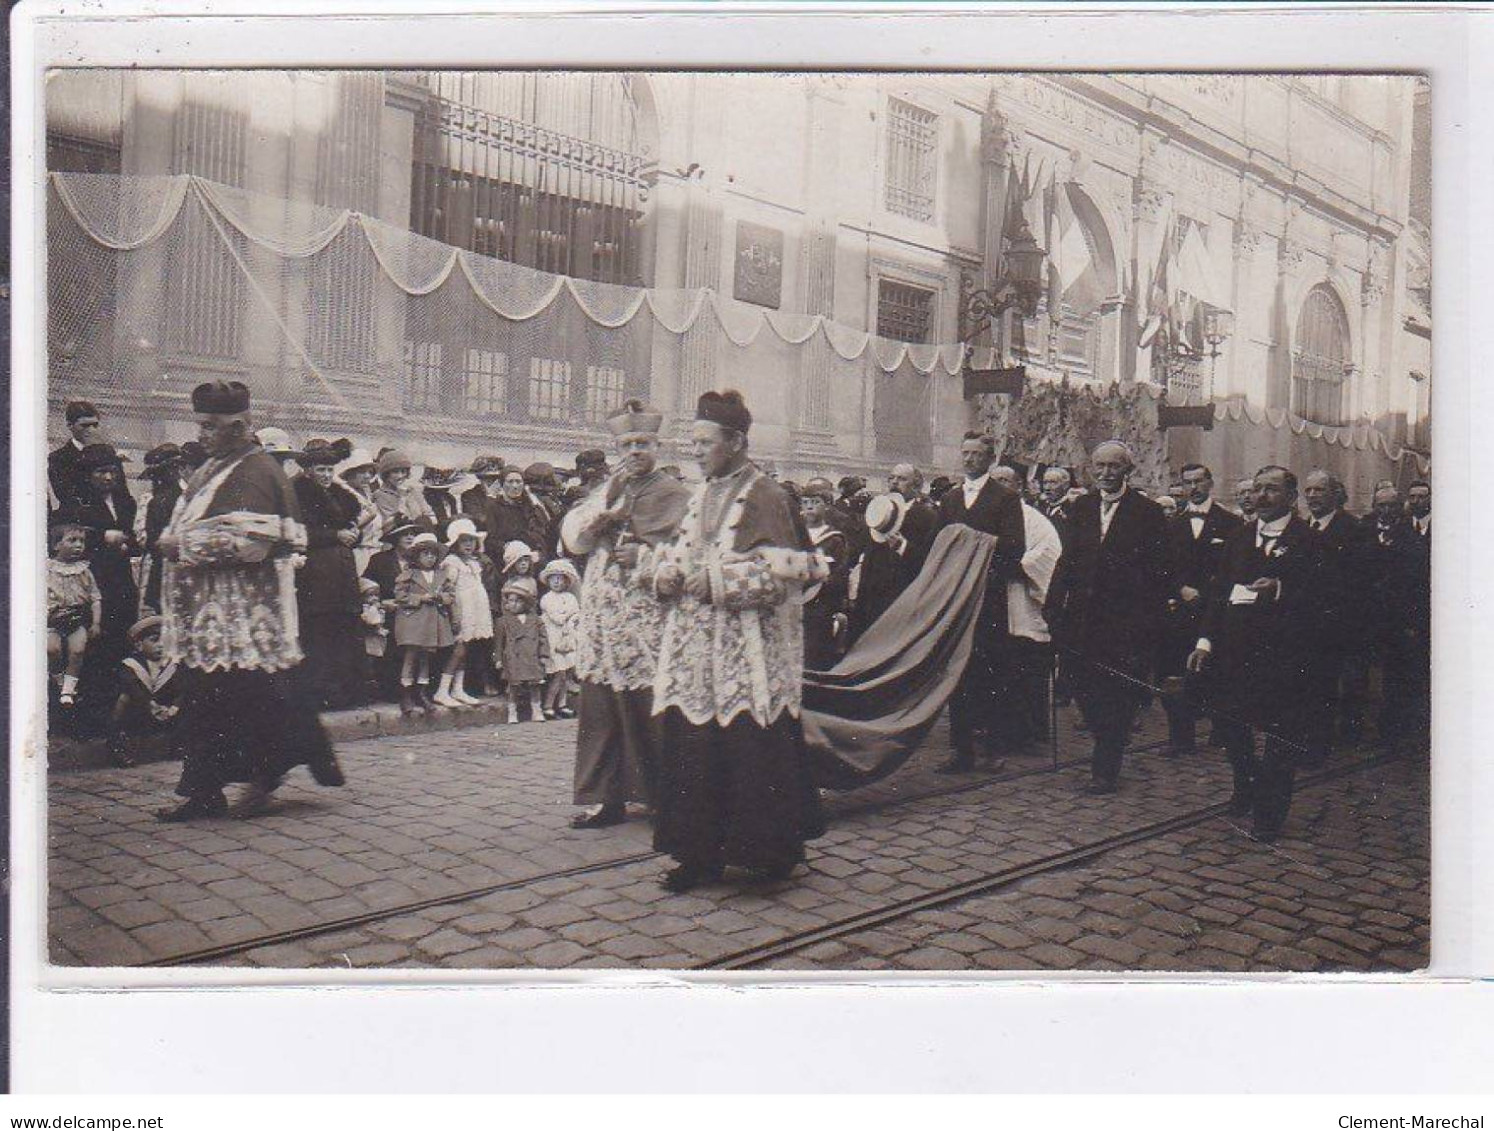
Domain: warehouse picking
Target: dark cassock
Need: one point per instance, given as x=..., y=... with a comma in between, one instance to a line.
x=621, y=623
x=985, y=505
x=327, y=584
x=1106, y=610
x=1198, y=534
x=734, y=784
x=1265, y=651
x=230, y=620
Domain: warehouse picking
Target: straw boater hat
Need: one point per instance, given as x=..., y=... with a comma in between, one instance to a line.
x=276, y=442
x=562, y=567
x=146, y=624
x=462, y=526
x=524, y=585
x=515, y=550
x=634, y=419
x=884, y=516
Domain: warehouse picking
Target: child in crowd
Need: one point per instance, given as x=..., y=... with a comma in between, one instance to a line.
x=148, y=692
x=75, y=606
x=474, y=616
x=561, y=611
x=519, y=560
x=375, y=631
x=423, y=623
x=520, y=647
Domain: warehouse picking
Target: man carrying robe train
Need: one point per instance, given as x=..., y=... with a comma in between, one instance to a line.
x=733, y=785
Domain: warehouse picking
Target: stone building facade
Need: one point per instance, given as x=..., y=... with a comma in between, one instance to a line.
x=873, y=201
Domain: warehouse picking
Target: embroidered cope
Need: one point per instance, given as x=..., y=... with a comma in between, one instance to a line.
x=229, y=601
x=743, y=649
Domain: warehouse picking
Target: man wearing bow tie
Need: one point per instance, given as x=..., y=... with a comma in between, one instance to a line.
x=1199, y=532
x=1107, y=603
x=1261, y=639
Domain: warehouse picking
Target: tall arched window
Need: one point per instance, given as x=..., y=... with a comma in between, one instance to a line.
x=1321, y=360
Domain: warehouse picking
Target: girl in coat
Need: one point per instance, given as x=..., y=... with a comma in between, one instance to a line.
x=474, y=616
x=423, y=620
x=520, y=647
x=560, y=609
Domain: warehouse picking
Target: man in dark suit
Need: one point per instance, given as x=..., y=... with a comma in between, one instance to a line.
x=1419, y=507
x=921, y=521
x=1199, y=530
x=985, y=505
x=1262, y=640
x=1107, y=604
x=1345, y=644
x=1399, y=568
x=67, y=478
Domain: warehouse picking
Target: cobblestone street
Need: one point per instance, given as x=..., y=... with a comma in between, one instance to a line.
x=452, y=849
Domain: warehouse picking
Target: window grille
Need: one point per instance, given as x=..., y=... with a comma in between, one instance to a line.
x=904, y=313
x=1321, y=361
x=912, y=158
x=422, y=376
x=605, y=386
x=549, y=389
x=485, y=383
x=543, y=170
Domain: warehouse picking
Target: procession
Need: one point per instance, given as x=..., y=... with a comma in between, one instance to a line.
x=615, y=621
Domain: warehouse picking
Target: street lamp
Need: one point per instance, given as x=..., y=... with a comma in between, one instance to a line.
x=1217, y=326
x=1020, y=286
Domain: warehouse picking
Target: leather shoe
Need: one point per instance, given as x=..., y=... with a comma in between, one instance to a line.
x=207, y=805
x=603, y=818
x=685, y=877
x=956, y=765
x=326, y=771
x=1264, y=833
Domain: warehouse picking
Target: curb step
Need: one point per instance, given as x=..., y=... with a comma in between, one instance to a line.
x=383, y=720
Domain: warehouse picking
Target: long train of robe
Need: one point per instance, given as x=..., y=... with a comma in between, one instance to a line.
x=865, y=717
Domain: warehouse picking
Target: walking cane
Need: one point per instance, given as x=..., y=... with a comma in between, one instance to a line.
x=1053, y=708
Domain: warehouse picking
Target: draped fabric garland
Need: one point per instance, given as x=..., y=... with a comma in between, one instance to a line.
x=210, y=233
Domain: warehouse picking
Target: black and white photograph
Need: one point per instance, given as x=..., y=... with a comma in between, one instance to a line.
x=576, y=520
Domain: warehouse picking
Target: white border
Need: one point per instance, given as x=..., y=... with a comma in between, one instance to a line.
x=1286, y=1034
